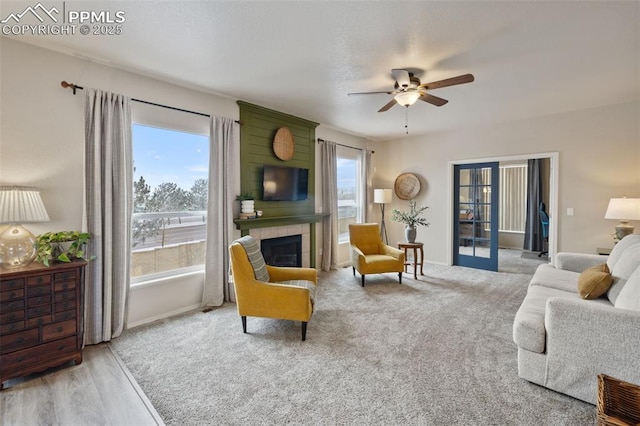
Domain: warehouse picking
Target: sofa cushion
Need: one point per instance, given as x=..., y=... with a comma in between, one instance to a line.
x=577, y=262
x=528, y=326
x=594, y=282
x=626, y=264
x=547, y=275
x=629, y=297
x=255, y=258
x=620, y=247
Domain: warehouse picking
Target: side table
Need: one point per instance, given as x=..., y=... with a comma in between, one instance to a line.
x=403, y=245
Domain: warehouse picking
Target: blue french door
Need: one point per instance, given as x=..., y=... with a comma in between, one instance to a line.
x=475, y=211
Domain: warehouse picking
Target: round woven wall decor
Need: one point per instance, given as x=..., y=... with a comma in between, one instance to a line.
x=283, y=145
x=407, y=186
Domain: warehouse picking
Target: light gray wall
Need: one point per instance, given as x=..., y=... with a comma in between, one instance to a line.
x=599, y=158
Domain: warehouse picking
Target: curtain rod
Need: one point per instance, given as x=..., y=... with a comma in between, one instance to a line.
x=75, y=87
x=346, y=146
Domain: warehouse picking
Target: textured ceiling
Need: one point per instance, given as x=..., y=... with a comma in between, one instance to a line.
x=529, y=58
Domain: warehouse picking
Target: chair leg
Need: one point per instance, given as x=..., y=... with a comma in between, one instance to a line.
x=244, y=324
x=362, y=276
x=304, y=331
x=399, y=277
x=354, y=270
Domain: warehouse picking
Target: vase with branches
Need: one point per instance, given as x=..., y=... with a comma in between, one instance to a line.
x=412, y=219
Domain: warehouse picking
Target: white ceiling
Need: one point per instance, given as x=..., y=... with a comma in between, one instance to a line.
x=529, y=58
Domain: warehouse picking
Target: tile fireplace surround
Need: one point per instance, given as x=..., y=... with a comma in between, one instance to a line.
x=260, y=234
x=283, y=226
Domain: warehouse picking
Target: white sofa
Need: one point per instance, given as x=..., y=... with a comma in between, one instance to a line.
x=565, y=341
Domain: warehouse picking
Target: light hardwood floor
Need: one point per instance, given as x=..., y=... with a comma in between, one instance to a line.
x=100, y=391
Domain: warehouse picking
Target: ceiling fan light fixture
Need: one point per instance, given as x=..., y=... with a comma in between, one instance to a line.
x=407, y=98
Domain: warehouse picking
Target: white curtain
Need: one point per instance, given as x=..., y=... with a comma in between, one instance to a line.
x=367, y=188
x=329, y=175
x=224, y=172
x=109, y=194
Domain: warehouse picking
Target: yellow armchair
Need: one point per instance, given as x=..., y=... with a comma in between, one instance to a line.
x=288, y=294
x=369, y=255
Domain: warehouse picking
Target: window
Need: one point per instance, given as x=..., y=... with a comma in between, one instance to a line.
x=349, y=197
x=171, y=169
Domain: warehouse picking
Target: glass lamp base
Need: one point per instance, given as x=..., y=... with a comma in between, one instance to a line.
x=17, y=247
x=623, y=229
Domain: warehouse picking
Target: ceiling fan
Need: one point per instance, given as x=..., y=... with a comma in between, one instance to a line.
x=408, y=89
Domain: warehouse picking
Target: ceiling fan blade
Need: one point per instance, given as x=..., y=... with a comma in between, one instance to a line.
x=368, y=93
x=461, y=79
x=433, y=100
x=388, y=106
x=401, y=77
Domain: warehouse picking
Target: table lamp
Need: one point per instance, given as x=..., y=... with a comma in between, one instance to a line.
x=18, y=205
x=623, y=209
x=382, y=197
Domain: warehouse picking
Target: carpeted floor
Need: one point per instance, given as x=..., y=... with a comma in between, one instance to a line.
x=432, y=351
x=534, y=255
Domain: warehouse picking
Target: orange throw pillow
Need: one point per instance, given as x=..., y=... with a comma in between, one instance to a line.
x=594, y=282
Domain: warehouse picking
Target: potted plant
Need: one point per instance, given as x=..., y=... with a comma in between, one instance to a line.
x=247, y=203
x=64, y=246
x=412, y=219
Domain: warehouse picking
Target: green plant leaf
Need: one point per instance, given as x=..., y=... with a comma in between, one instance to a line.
x=411, y=218
x=49, y=246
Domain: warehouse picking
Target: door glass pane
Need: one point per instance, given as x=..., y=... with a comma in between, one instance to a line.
x=465, y=177
x=466, y=211
x=483, y=248
x=465, y=194
x=485, y=212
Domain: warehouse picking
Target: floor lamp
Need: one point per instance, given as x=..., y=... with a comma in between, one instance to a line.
x=382, y=197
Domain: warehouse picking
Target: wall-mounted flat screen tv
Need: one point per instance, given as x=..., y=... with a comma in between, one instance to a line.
x=282, y=183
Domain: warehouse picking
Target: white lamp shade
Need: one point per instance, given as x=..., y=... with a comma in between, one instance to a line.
x=623, y=209
x=20, y=204
x=407, y=98
x=382, y=196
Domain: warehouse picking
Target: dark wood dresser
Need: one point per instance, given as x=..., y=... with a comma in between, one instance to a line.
x=41, y=317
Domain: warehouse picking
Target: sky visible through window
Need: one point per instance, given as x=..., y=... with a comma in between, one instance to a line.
x=161, y=155
x=346, y=169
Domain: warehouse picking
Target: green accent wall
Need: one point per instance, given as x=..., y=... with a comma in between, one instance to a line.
x=259, y=126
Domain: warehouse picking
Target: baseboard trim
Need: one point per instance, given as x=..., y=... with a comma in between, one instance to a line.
x=164, y=315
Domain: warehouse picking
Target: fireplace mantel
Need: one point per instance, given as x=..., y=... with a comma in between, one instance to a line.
x=244, y=225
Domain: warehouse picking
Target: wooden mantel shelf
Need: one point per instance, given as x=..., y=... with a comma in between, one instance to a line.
x=267, y=222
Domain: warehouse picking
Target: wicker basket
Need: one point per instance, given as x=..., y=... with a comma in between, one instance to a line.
x=283, y=144
x=618, y=402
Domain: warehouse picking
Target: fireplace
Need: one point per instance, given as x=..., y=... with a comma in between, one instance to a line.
x=282, y=251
